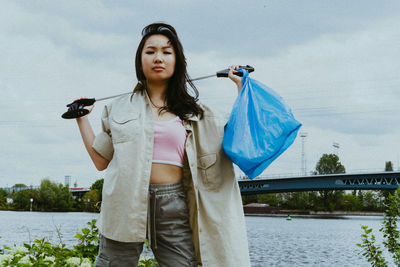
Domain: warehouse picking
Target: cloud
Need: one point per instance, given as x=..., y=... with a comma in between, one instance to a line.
x=342, y=79
x=42, y=69
x=342, y=87
x=339, y=75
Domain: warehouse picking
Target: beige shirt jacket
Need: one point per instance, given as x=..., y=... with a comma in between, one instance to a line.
x=213, y=195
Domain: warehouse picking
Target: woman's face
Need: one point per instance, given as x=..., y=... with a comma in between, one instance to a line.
x=158, y=59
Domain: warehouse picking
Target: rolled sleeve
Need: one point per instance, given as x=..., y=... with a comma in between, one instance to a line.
x=103, y=145
x=103, y=142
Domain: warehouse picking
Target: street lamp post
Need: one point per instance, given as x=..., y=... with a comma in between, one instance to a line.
x=303, y=136
x=31, y=204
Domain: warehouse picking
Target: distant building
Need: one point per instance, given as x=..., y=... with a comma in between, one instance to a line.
x=78, y=192
x=67, y=180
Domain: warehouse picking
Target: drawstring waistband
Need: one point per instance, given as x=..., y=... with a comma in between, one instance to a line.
x=151, y=220
x=154, y=191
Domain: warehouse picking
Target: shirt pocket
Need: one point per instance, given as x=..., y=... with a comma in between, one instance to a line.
x=209, y=171
x=124, y=126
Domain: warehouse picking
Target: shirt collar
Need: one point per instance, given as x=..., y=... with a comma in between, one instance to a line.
x=193, y=118
x=140, y=88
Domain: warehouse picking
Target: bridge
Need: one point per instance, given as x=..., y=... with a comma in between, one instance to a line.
x=364, y=181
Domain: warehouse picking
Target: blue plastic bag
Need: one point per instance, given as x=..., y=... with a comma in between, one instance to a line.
x=261, y=127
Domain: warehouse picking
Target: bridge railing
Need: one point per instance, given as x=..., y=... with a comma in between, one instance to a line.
x=362, y=181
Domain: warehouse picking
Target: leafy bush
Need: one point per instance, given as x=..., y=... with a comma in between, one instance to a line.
x=88, y=245
x=391, y=235
x=42, y=253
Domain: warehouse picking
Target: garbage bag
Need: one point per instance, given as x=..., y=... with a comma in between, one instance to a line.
x=260, y=128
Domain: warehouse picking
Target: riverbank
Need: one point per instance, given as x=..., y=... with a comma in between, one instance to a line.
x=304, y=241
x=255, y=209
x=316, y=216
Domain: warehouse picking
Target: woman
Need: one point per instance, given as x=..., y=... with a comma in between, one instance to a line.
x=168, y=179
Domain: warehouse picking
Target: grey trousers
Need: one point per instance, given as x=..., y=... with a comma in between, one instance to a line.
x=168, y=232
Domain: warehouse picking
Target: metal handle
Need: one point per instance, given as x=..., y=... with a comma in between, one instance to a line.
x=76, y=109
x=224, y=73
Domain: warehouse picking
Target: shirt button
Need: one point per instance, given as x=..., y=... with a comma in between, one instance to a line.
x=196, y=187
x=200, y=230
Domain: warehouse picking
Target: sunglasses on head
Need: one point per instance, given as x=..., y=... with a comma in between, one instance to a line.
x=156, y=29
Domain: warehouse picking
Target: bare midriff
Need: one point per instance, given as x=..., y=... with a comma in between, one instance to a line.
x=165, y=173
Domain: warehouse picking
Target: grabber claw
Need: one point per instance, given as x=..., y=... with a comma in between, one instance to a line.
x=76, y=109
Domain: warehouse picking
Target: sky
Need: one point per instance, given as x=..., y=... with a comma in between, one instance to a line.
x=336, y=63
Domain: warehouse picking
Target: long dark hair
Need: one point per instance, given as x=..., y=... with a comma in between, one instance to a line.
x=178, y=99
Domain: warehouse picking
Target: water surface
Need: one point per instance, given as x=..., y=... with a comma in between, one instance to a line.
x=273, y=241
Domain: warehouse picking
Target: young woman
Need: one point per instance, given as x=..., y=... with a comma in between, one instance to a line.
x=167, y=179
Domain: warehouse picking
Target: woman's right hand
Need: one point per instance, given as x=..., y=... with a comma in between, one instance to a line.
x=89, y=108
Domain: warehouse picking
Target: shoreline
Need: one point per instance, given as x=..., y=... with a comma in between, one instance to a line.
x=257, y=209
x=314, y=214
x=260, y=212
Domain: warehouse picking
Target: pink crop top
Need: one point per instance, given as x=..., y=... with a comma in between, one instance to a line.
x=169, y=142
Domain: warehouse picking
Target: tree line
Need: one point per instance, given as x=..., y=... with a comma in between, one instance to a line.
x=327, y=200
x=51, y=196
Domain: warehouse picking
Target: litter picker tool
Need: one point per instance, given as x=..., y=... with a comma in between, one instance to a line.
x=76, y=109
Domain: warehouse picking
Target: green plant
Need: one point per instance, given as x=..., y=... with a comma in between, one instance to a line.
x=389, y=227
x=147, y=262
x=391, y=235
x=88, y=241
x=372, y=252
x=42, y=253
x=39, y=253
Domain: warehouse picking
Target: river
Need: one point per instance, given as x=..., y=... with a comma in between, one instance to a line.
x=273, y=241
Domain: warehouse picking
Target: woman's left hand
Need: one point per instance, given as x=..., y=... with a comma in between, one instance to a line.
x=236, y=79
